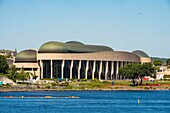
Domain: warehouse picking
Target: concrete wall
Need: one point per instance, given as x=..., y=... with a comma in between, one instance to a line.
x=104, y=56
x=145, y=60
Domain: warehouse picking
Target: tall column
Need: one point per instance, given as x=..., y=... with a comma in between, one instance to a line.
x=62, y=69
x=41, y=65
x=100, y=71
x=121, y=65
x=79, y=68
x=94, y=69
x=106, y=72
x=112, y=70
x=51, y=64
x=71, y=70
x=87, y=68
x=117, y=69
x=125, y=64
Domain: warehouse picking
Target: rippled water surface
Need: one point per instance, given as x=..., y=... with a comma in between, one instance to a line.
x=88, y=102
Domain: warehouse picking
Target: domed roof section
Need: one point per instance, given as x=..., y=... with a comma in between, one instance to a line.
x=77, y=48
x=71, y=47
x=29, y=55
x=74, y=42
x=140, y=53
x=53, y=47
x=99, y=48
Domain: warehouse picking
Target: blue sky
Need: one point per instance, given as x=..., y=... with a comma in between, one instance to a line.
x=124, y=25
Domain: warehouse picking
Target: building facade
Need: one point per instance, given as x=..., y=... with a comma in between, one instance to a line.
x=75, y=60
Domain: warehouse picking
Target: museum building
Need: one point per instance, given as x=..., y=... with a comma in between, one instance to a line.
x=75, y=60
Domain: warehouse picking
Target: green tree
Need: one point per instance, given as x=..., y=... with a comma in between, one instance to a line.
x=146, y=69
x=13, y=70
x=22, y=75
x=130, y=71
x=4, y=67
x=137, y=71
x=13, y=73
x=158, y=62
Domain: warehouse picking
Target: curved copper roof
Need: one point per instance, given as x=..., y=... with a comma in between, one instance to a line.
x=74, y=42
x=53, y=47
x=140, y=53
x=71, y=47
x=26, y=56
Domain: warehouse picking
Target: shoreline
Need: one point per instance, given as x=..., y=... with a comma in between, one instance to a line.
x=87, y=86
x=95, y=89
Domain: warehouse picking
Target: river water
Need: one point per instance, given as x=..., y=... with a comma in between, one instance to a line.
x=86, y=102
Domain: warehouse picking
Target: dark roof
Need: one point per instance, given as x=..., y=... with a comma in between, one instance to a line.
x=27, y=56
x=140, y=53
x=71, y=47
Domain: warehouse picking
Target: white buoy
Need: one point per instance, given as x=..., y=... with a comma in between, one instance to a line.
x=138, y=101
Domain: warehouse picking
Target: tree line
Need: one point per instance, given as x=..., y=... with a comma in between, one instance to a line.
x=11, y=72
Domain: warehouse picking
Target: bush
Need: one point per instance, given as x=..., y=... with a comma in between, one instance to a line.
x=95, y=80
x=83, y=80
x=53, y=84
x=166, y=76
x=69, y=87
x=106, y=82
x=64, y=84
x=48, y=87
x=146, y=88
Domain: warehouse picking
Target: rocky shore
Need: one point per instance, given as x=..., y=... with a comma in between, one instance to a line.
x=111, y=88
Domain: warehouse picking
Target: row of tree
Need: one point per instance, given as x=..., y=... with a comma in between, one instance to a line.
x=137, y=71
x=159, y=62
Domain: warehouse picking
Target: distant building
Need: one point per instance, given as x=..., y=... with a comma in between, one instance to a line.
x=163, y=70
x=8, y=52
x=75, y=60
x=10, y=56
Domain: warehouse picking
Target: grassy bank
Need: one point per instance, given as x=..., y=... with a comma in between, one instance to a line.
x=88, y=85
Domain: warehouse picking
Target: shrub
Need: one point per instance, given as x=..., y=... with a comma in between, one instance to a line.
x=146, y=88
x=64, y=84
x=48, y=87
x=69, y=87
x=106, y=82
x=83, y=80
x=166, y=77
x=53, y=84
